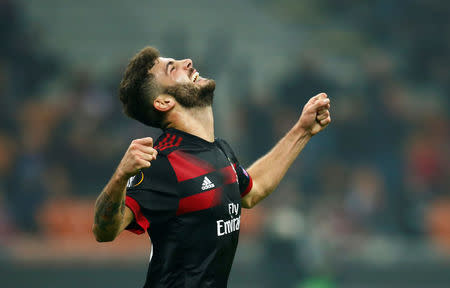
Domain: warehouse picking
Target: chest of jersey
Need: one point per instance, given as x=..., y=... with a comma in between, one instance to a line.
x=207, y=182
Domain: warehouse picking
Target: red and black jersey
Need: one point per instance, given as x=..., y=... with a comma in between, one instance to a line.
x=189, y=202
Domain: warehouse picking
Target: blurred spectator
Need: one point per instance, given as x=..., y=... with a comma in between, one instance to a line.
x=7, y=158
x=28, y=191
x=365, y=202
x=438, y=222
x=304, y=81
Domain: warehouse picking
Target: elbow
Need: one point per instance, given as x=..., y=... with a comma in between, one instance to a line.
x=100, y=236
x=247, y=206
x=248, y=203
x=102, y=239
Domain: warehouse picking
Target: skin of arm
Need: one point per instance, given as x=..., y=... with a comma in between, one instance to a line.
x=111, y=214
x=268, y=171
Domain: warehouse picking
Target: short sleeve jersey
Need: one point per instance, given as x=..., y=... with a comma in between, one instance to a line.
x=189, y=202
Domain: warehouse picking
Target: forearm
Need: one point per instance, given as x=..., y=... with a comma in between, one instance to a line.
x=110, y=208
x=268, y=171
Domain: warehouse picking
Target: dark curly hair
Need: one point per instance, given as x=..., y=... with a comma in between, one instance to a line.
x=138, y=89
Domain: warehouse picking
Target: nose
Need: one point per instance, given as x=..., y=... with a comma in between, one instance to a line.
x=187, y=63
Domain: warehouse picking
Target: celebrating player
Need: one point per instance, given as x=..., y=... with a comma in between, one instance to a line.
x=187, y=188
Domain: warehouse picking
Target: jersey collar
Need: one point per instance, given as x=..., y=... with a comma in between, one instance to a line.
x=190, y=138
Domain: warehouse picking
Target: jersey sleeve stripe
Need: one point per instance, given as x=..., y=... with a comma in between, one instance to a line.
x=139, y=218
x=249, y=186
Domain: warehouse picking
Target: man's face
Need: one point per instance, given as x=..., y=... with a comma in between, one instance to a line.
x=183, y=82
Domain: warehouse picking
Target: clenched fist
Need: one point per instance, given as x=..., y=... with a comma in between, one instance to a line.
x=139, y=155
x=316, y=115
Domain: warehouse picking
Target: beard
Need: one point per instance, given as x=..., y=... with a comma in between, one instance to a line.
x=190, y=95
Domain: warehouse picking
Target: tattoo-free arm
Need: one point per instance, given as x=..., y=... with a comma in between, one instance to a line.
x=268, y=171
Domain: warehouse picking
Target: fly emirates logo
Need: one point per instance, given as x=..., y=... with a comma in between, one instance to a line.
x=227, y=226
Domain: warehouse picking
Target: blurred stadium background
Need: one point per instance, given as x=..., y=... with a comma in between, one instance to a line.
x=366, y=205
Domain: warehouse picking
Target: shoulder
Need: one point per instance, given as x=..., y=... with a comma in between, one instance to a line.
x=226, y=148
x=159, y=174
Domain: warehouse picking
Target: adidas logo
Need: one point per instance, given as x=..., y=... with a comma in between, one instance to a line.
x=207, y=184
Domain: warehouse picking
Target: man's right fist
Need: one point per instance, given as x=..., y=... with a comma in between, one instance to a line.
x=138, y=156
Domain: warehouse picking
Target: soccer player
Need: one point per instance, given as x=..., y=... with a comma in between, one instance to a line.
x=186, y=189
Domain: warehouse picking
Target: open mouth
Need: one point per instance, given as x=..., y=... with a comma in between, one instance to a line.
x=195, y=76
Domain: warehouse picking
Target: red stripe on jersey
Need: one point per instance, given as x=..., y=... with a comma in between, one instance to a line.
x=178, y=141
x=141, y=221
x=162, y=142
x=229, y=175
x=199, y=201
x=172, y=145
x=249, y=186
x=187, y=166
x=168, y=143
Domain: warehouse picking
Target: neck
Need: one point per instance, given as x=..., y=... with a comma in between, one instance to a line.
x=195, y=121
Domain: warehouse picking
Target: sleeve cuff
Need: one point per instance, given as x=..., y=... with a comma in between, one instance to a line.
x=249, y=187
x=140, y=223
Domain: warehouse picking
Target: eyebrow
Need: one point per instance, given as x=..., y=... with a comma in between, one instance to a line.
x=167, y=66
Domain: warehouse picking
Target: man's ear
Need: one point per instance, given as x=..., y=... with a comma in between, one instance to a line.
x=164, y=103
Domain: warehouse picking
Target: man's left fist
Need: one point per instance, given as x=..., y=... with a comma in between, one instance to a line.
x=316, y=114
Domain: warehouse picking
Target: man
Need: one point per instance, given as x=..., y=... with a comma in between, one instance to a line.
x=188, y=190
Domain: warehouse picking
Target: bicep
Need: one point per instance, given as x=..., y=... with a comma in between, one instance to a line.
x=252, y=197
x=247, y=200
